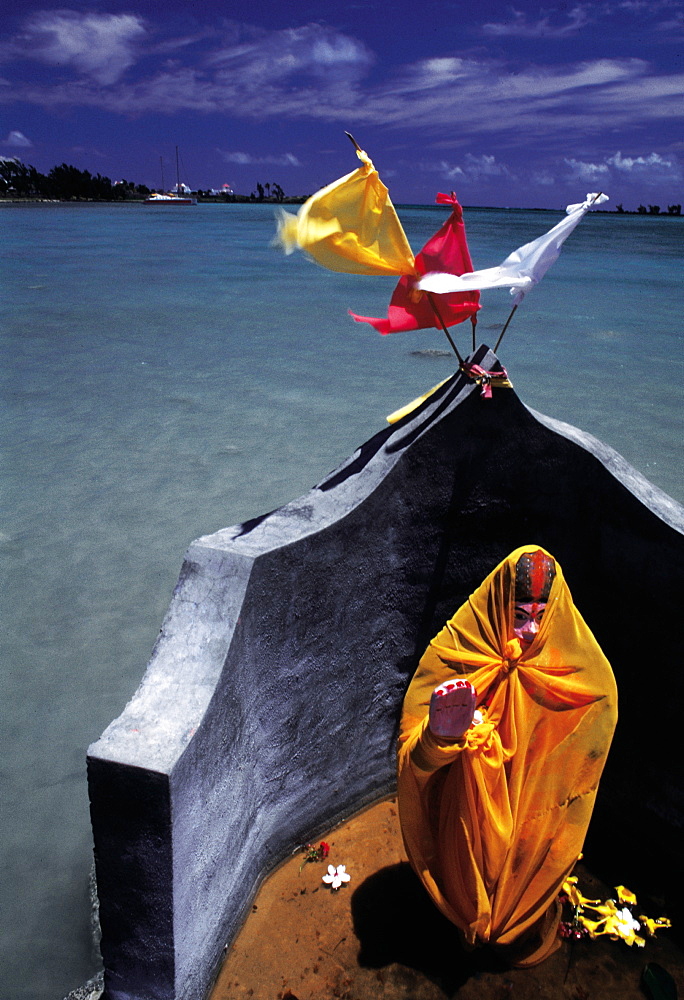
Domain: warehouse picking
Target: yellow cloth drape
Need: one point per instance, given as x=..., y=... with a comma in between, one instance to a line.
x=351, y=225
x=403, y=411
x=494, y=822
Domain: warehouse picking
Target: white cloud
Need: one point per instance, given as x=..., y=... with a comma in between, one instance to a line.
x=431, y=74
x=472, y=168
x=243, y=159
x=665, y=18
x=258, y=58
x=650, y=169
x=449, y=172
x=17, y=140
x=673, y=27
x=558, y=24
x=654, y=165
x=518, y=26
x=484, y=97
x=638, y=6
x=317, y=73
x=590, y=172
x=609, y=173
x=542, y=178
x=101, y=46
x=650, y=7
x=488, y=96
x=484, y=166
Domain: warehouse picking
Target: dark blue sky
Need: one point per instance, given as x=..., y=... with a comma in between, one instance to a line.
x=507, y=104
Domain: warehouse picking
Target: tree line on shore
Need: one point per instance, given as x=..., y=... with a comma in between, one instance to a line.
x=651, y=210
x=68, y=183
x=63, y=183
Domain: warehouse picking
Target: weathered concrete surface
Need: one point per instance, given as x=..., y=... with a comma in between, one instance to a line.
x=92, y=990
x=269, y=708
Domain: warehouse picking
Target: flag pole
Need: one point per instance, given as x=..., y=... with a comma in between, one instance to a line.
x=443, y=326
x=473, y=323
x=353, y=141
x=496, y=346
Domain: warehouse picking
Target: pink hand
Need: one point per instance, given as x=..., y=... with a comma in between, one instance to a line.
x=452, y=706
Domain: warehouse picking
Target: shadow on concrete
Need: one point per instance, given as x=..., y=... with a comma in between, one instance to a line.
x=396, y=922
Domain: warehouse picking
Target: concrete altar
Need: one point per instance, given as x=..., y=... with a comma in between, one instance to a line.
x=210, y=778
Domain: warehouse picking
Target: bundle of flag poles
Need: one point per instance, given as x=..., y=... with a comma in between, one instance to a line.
x=352, y=226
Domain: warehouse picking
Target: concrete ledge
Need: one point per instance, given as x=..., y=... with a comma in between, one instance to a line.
x=269, y=708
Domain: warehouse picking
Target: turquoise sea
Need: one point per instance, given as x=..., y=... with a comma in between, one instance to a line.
x=167, y=373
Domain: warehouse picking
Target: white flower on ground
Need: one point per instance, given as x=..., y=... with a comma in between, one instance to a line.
x=623, y=925
x=336, y=876
x=626, y=922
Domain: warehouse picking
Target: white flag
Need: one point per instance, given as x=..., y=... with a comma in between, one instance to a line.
x=524, y=268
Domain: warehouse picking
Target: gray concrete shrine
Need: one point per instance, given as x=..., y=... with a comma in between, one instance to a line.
x=269, y=709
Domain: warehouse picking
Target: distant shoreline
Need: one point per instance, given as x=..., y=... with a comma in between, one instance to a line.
x=201, y=199
x=246, y=200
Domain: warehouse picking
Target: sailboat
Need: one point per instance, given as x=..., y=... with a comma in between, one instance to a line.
x=171, y=197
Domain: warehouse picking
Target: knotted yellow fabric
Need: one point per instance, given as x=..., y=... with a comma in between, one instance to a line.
x=494, y=822
x=351, y=225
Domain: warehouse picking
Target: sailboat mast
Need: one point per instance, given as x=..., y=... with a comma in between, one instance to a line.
x=171, y=197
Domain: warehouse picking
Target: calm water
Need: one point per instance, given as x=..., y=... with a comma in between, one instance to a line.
x=166, y=374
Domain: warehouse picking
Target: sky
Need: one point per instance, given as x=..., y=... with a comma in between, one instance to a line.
x=515, y=104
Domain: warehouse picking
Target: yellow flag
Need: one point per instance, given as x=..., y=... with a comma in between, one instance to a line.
x=351, y=225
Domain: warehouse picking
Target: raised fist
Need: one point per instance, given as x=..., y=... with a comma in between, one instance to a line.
x=452, y=707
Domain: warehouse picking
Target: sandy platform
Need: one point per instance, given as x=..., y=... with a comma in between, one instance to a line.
x=379, y=936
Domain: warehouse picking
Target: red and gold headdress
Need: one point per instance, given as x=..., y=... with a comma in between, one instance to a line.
x=534, y=573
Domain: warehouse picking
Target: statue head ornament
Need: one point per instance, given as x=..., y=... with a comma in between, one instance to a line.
x=534, y=574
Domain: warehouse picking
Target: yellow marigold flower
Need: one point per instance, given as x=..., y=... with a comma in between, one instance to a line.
x=591, y=926
x=625, y=895
x=651, y=925
x=571, y=891
x=574, y=895
x=610, y=917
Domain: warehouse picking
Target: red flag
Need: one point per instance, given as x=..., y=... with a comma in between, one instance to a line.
x=447, y=250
